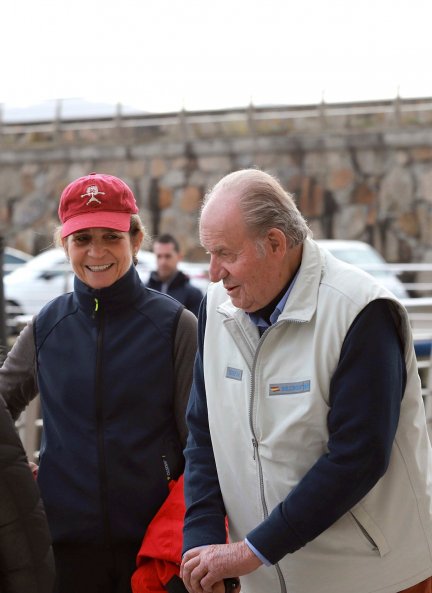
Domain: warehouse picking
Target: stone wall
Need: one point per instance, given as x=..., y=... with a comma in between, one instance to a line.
x=358, y=171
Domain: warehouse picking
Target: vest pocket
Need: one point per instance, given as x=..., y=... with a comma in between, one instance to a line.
x=370, y=530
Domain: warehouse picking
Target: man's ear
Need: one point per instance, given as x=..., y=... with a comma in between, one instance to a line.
x=278, y=241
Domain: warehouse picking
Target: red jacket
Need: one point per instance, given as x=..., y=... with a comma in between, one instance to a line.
x=158, y=561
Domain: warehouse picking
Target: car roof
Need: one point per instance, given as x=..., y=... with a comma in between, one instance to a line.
x=20, y=255
x=343, y=243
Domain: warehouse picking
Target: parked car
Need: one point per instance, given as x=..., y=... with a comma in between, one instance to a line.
x=366, y=257
x=12, y=258
x=49, y=274
x=419, y=309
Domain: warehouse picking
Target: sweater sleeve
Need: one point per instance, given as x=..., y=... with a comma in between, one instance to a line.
x=365, y=396
x=184, y=353
x=205, y=512
x=194, y=298
x=18, y=383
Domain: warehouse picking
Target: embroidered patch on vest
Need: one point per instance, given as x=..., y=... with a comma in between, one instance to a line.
x=232, y=373
x=289, y=388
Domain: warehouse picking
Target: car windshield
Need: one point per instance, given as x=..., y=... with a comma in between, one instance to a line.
x=49, y=261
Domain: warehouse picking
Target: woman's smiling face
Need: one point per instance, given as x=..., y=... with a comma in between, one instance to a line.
x=100, y=256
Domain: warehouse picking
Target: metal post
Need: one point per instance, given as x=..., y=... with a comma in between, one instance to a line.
x=3, y=337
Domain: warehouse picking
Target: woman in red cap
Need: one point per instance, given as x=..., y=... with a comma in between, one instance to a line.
x=112, y=362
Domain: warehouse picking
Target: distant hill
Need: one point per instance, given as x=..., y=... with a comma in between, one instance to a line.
x=66, y=108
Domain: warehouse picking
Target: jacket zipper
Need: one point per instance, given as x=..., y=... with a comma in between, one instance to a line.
x=102, y=469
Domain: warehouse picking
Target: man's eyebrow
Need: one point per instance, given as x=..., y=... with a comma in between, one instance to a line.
x=217, y=249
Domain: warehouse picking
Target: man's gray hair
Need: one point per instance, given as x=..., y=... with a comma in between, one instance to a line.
x=264, y=204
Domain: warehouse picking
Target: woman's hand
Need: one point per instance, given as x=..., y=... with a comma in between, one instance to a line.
x=34, y=469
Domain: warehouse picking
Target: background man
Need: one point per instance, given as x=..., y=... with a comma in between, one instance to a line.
x=168, y=278
x=306, y=422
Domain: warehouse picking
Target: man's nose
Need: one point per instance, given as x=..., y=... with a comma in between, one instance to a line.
x=216, y=270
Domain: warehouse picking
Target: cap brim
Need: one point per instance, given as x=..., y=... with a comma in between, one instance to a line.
x=119, y=221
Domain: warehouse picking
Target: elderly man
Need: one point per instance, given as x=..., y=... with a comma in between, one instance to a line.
x=307, y=426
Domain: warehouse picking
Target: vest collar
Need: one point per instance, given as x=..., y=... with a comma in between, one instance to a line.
x=120, y=294
x=302, y=301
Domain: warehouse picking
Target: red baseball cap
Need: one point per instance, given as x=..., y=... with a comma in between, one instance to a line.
x=96, y=200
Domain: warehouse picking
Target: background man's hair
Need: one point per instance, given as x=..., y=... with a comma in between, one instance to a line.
x=167, y=238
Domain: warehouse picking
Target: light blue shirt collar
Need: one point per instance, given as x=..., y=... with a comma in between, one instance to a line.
x=262, y=323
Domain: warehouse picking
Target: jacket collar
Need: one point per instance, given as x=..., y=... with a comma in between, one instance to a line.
x=302, y=302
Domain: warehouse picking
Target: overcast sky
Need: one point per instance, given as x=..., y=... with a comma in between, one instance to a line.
x=162, y=55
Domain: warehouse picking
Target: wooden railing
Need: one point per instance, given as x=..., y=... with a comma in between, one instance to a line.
x=370, y=114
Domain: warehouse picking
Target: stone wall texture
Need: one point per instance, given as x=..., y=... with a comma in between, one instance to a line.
x=357, y=171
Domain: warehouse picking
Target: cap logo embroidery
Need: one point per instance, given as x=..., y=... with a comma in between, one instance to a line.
x=91, y=192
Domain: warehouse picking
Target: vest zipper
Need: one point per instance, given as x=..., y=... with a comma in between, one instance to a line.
x=100, y=428
x=255, y=448
x=256, y=455
x=366, y=535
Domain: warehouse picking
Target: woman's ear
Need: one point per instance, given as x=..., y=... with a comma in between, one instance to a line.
x=137, y=241
x=64, y=243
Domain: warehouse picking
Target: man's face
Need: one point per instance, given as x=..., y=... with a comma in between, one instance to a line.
x=167, y=259
x=249, y=274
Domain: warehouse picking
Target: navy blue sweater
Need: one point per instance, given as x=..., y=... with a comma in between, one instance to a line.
x=180, y=289
x=365, y=396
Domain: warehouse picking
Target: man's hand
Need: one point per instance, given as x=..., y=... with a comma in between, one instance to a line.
x=203, y=569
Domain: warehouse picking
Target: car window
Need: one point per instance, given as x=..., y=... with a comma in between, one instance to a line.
x=12, y=259
x=361, y=257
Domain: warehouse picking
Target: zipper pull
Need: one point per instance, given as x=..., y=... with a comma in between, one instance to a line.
x=167, y=468
x=96, y=307
x=255, y=447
